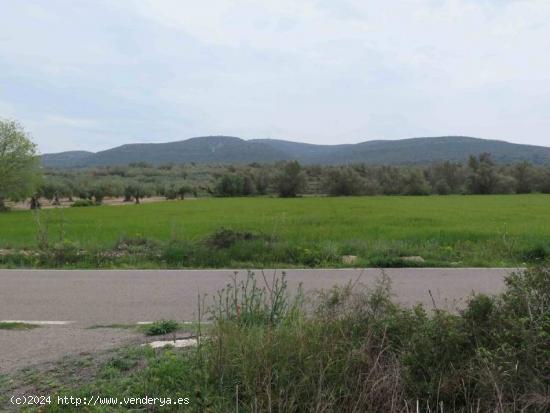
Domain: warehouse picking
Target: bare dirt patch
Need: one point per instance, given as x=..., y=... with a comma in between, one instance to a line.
x=65, y=203
x=23, y=348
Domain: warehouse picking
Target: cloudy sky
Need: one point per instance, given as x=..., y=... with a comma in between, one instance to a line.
x=94, y=74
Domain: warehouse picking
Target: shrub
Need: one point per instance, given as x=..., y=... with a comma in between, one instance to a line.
x=161, y=327
x=61, y=253
x=353, y=349
x=138, y=245
x=225, y=238
x=537, y=253
x=83, y=203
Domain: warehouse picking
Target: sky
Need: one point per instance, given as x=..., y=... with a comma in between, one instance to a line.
x=90, y=75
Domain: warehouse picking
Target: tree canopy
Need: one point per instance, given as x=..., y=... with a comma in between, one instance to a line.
x=19, y=164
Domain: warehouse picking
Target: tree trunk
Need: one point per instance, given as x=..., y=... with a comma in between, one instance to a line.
x=35, y=203
x=137, y=199
x=56, y=200
x=3, y=207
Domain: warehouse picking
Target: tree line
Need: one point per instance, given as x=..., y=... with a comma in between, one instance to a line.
x=21, y=177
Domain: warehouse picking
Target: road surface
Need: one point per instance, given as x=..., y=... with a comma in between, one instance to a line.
x=74, y=300
x=98, y=296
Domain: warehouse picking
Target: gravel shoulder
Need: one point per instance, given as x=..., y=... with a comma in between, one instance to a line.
x=21, y=349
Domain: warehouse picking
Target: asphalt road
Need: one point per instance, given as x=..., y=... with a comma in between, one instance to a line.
x=99, y=296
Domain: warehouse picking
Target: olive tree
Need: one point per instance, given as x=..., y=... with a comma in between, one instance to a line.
x=483, y=178
x=136, y=191
x=291, y=180
x=343, y=182
x=19, y=163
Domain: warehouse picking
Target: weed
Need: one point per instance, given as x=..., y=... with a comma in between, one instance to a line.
x=536, y=254
x=356, y=350
x=160, y=327
x=225, y=238
x=16, y=326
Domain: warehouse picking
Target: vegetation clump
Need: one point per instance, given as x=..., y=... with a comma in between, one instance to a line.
x=225, y=238
x=83, y=203
x=15, y=325
x=356, y=350
x=161, y=327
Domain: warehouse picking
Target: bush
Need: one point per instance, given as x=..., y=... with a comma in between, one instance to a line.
x=353, y=349
x=161, y=327
x=225, y=238
x=61, y=253
x=537, y=253
x=138, y=245
x=83, y=203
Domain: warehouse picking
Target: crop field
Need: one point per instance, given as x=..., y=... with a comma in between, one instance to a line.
x=497, y=230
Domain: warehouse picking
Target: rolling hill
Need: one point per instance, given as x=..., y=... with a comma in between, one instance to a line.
x=227, y=149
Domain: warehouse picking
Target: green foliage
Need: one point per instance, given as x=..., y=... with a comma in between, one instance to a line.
x=344, y=181
x=484, y=177
x=536, y=254
x=225, y=238
x=83, y=203
x=173, y=181
x=247, y=303
x=60, y=253
x=291, y=180
x=5, y=325
x=414, y=183
x=230, y=185
x=19, y=164
x=358, y=350
x=136, y=191
x=161, y=327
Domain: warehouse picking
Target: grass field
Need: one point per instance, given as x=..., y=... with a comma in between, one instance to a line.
x=464, y=230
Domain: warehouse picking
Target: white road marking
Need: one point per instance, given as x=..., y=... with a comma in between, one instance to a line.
x=38, y=322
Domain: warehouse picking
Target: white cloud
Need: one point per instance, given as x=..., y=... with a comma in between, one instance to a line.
x=315, y=70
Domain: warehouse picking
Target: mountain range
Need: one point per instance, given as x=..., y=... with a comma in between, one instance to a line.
x=232, y=150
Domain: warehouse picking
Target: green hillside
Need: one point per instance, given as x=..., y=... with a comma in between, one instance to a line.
x=232, y=150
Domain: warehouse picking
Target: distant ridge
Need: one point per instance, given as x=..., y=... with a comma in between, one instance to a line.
x=229, y=149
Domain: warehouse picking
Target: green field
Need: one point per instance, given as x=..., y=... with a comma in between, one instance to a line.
x=454, y=230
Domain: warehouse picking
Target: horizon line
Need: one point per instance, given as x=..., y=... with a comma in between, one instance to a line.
x=297, y=142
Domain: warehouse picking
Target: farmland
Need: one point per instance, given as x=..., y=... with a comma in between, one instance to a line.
x=490, y=230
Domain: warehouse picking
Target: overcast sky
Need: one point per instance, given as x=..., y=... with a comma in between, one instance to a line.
x=95, y=74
